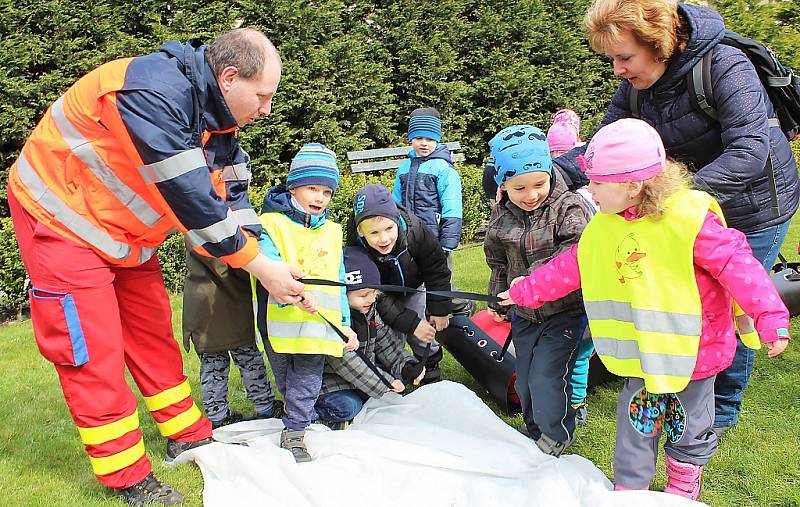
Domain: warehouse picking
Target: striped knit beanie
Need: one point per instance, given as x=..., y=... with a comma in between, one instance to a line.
x=314, y=164
x=425, y=122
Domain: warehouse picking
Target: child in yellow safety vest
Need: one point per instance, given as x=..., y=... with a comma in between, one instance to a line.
x=659, y=272
x=296, y=231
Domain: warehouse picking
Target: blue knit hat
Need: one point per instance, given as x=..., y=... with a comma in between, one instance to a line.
x=314, y=164
x=375, y=201
x=519, y=149
x=425, y=122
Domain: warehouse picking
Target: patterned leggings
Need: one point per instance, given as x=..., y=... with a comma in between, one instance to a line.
x=214, y=372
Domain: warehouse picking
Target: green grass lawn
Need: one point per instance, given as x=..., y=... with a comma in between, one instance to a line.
x=42, y=461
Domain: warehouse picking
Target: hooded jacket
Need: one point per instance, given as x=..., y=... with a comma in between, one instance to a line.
x=135, y=149
x=430, y=188
x=727, y=158
x=416, y=258
x=381, y=345
x=518, y=241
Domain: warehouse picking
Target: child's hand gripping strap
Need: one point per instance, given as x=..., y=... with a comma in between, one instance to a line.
x=359, y=353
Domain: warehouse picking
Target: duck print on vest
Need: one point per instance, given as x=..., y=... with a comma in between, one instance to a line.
x=627, y=258
x=313, y=259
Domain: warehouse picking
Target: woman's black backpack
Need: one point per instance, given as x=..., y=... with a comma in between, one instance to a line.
x=780, y=81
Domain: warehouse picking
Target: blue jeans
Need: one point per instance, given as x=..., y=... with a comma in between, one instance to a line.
x=339, y=406
x=731, y=382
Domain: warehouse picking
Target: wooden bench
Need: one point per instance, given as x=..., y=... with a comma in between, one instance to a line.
x=390, y=158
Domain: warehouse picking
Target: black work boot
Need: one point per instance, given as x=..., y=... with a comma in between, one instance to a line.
x=293, y=441
x=151, y=491
x=175, y=448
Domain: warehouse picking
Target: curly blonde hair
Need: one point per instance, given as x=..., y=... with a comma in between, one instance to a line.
x=654, y=23
x=657, y=189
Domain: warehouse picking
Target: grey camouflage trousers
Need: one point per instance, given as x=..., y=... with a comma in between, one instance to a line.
x=214, y=373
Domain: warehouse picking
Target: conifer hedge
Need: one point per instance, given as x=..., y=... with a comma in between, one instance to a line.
x=352, y=70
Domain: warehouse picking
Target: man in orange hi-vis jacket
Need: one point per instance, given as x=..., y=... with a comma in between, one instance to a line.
x=137, y=149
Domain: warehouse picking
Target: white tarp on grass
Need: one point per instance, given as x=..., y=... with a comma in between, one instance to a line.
x=439, y=446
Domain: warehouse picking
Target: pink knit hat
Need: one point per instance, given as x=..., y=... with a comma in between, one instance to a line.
x=626, y=150
x=562, y=136
x=568, y=116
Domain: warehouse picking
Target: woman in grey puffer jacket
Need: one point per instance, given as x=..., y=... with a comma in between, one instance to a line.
x=653, y=44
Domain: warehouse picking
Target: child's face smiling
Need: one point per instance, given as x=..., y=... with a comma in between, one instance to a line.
x=423, y=146
x=313, y=198
x=361, y=300
x=380, y=233
x=528, y=190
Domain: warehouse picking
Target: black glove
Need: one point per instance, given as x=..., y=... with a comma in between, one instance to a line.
x=411, y=370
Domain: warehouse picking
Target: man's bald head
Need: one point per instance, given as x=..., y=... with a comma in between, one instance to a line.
x=244, y=48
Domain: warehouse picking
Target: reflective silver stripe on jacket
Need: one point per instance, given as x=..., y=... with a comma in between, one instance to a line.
x=236, y=172
x=645, y=320
x=81, y=227
x=173, y=166
x=308, y=328
x=325, y=300
x=214, y=233
x=83, y=149
x=246, y=216
x=145, y=254
x=651, y=363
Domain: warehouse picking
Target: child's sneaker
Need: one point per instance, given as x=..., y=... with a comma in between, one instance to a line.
x=552, y=447
x=232, y=418
x=293, y=441
x=278, y=411
x=150, y=491
x=463, y=307
x=581, y=414
x=683, y=479
x=336, y=426
x=175, y=448
x=432, y=371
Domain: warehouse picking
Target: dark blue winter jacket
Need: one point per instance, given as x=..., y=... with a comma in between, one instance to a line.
x=430, y=188
x=727, y=158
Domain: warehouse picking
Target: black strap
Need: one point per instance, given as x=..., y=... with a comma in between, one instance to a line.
x=773, y=188
x=635, y=100
x=359, y=353
x=449, y=294
x=503, y=351
x=783, y=260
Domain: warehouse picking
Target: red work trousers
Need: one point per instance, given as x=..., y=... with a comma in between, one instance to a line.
x=91, y=319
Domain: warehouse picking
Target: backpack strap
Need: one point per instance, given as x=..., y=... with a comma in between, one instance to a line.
x=701, y=91
x=701, y=95
x=773, y=189
x=635, y=100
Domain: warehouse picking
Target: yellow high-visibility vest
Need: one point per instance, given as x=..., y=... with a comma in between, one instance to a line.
x=318, y=253
x=641, y=294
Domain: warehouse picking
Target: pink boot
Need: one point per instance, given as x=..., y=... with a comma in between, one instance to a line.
x=683, y=479
x=620, y=487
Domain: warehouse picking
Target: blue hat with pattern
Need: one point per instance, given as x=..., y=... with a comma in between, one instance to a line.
x=314, y=164
x=519, y=149
x=425, y=122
